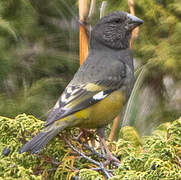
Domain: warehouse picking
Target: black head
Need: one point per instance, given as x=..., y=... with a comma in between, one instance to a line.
x=114, y=30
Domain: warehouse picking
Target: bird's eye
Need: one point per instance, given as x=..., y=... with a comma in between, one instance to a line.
x=117, y=20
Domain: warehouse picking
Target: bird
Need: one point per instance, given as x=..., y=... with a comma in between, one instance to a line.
x=100, y=87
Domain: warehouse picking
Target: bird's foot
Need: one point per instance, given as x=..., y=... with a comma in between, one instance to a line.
x=111, y=159
x=108, y=158
x=78, y=137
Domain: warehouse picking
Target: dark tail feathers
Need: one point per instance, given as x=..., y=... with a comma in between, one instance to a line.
x=38, y=142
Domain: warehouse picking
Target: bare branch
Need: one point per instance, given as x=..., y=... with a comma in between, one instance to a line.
x=100, y=165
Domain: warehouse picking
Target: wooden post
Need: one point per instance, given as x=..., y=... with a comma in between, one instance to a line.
x=136, y=30
x=114, y=128
x=83, y=39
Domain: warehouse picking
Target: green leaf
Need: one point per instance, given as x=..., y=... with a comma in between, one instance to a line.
x=5, y=25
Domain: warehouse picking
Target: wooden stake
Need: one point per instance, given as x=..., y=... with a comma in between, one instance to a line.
x=136, y=30
x=114, y=128
x=83, y=39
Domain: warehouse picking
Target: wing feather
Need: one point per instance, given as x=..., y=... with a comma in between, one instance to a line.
x=77, y=101
x=88, y=92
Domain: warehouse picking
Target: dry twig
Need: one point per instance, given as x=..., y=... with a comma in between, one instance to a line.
x=99, y=164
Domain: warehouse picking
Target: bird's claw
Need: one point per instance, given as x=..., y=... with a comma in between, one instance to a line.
x=110, y=159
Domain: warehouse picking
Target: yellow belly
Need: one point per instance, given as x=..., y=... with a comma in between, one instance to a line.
x=99, y=114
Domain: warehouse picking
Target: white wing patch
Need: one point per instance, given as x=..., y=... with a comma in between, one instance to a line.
x=75, y=91
x=63, y=98
x=99, y=96
x=56, y=105
x=70, y=93
x=69, y=90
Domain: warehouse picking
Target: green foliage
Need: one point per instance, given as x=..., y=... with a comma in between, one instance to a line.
x=6, y=27
x=16, y=131
x=89, y=174
x=39, y=54
x=150, y=157
x=15, y=165
x=161, y=45
x=159, y=157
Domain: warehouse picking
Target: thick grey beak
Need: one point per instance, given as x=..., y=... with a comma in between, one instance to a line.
x=135, y=20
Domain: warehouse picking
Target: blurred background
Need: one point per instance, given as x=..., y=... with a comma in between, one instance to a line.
x=39, y=54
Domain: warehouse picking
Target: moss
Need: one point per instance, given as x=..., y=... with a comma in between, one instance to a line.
x=89, y=174
x=150, y=157
x=159, y=156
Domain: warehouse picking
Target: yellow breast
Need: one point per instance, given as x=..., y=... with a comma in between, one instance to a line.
x=97, y=115
x=101, y=113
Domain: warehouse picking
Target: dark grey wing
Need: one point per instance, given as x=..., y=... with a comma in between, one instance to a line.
x=79, y=96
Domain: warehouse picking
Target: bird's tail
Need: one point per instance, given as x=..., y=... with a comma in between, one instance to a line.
x=40, y=140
